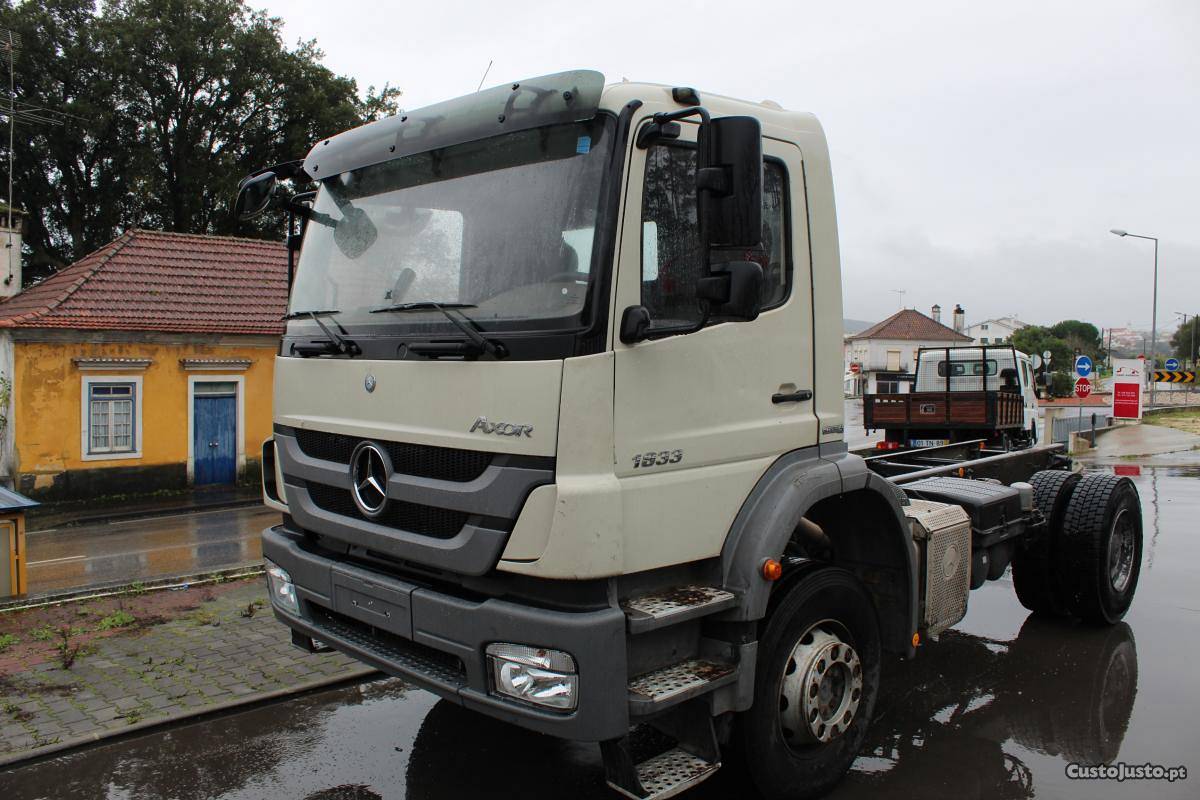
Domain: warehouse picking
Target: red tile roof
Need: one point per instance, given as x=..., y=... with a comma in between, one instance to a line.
x=910, y=324
x=156, y=281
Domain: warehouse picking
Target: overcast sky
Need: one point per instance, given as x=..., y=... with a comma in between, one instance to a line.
x=981, y=151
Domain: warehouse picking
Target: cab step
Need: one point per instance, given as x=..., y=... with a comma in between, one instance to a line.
x=663, y=688
x=677, y=604
x=669, y=774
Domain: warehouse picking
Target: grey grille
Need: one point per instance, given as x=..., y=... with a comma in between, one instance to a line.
x=425, y=461
x=439, y=523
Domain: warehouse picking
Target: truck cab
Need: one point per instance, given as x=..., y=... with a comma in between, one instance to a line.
x=559, y=430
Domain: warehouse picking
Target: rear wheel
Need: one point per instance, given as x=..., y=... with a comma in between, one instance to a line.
x=1102, y=539
x=1035, y=566
x=815, y=689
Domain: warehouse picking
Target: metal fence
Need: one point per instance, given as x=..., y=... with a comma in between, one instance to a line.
x=1064, y=426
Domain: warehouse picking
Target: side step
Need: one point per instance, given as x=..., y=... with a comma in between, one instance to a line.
x=678, y=604
x=654, y=691
x=669, y=774
x=695, y=757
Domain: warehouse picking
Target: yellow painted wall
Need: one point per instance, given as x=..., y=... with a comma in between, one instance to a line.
x=47, y=397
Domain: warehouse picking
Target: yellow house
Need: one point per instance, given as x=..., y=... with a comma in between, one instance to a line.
x=145, y=366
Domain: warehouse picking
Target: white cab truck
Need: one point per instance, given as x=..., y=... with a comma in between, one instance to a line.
x=559, y=437
x=960, y=393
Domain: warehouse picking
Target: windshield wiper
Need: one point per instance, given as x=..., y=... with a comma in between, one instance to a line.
x=337, y=342
x=470, y=328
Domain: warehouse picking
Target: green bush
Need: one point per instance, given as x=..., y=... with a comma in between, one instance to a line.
x=7, y=640
x=1062, y=384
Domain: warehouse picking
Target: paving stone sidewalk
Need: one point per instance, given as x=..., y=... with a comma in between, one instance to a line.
x=206, y=649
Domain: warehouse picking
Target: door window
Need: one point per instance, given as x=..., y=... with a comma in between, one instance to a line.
x=672, y=258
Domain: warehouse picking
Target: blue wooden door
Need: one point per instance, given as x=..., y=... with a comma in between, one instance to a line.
x=215, y=445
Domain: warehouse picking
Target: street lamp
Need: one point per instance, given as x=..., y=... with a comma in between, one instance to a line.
x=1154, y=318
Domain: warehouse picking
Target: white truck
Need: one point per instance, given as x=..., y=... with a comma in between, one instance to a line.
x=959, y=394
x=559, y=437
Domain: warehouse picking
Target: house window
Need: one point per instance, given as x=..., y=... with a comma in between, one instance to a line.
x=111, y=417
x=893, y=360
x=983, y=327
x=984, y=340
x=111, y=409
x=672, y=258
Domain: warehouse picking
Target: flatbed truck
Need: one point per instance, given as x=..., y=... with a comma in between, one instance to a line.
x=559, y=437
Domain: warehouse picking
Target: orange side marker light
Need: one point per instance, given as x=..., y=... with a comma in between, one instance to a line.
x=772, y=570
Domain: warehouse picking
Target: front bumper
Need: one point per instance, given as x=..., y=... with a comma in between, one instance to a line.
x=437, y=640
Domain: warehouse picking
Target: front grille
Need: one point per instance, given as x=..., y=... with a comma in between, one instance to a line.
x=439, y=523
x=425, y=461
x=389, y=647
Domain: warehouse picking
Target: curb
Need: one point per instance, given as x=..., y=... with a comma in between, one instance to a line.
x=132, y=516
x=356, y=674
x=247, y=570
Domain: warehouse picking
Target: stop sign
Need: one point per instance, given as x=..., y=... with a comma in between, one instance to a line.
x=855, y=368
x=1083, y=388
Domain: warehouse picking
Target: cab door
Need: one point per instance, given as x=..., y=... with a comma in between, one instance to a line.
x=700, y=416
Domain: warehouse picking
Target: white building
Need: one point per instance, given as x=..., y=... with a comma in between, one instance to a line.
x=995, y=331
x=885, y=354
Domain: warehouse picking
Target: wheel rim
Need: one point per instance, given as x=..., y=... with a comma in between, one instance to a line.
x=1121, y=550
x=822, y=686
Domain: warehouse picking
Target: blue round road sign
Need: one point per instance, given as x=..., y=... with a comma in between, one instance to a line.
x=1172, y=364
x=1083, y=366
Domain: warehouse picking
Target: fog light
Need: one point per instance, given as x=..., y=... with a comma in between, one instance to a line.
x=283, y=591
x=534, y=675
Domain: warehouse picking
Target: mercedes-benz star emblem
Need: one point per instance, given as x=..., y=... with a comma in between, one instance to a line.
x=369, y=471
x=369, y=383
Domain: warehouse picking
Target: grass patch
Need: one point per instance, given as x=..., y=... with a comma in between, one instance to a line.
x=1183, y=419
x=7, y=640
x=118, y=619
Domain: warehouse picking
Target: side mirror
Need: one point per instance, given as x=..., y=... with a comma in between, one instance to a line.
x=734, y=290
x=254, y=195
x=355, y=233
x=635, y=324
x=729, y=182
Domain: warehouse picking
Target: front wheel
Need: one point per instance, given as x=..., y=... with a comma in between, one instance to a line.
x=815, y=687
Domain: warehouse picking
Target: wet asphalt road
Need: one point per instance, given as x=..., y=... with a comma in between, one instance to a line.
x=996, y=709
x=147, y=548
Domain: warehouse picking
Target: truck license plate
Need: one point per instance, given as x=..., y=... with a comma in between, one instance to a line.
x=928, y=442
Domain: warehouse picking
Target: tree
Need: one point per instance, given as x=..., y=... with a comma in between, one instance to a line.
x=1186, y=341
x=1081, y=337
x=1035, y=339
x=174, y=101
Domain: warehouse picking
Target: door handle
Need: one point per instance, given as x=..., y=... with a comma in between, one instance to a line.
x=791, y=397
x=214, y=444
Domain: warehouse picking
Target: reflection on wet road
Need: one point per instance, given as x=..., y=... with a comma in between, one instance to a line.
x=996, y=709
x=145, y=548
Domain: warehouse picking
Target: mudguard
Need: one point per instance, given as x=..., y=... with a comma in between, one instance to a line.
x=789, y=488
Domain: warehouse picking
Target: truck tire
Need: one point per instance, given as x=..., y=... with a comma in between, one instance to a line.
x=1035, y=571
x=815, y=687
x=1102, y=548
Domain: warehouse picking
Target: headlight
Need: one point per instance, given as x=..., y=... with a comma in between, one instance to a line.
x=534, y=675
x=283, y=591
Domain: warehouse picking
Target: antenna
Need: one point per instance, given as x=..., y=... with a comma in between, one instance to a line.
x=901, y=293
x=485, y=74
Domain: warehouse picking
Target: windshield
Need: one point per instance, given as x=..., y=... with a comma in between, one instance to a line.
x=503, y=226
